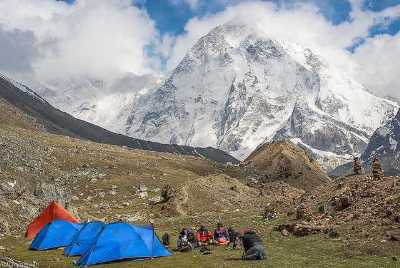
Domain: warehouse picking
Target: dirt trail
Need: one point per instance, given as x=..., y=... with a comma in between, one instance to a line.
x=182, y=200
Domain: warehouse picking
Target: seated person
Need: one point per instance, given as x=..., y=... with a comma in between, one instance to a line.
x=165, y=239
x=253, y=246
x=183, y=243
x=234, y=238
x=203, y=236
x=191, y=237
x=221, y=236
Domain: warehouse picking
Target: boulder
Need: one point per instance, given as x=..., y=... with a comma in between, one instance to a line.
x=167, y=193
x=342, y=202
x=393, y=235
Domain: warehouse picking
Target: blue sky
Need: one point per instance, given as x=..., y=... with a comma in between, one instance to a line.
x=171, y=16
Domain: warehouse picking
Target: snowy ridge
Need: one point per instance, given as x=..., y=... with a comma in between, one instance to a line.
x=23, y=88
x=106, y=104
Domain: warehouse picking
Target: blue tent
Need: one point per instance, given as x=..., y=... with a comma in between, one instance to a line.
x=120, y=241
x=56, y=234
x=84, y=238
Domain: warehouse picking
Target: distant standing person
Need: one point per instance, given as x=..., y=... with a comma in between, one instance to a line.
x=253, y=246
x=357, y=166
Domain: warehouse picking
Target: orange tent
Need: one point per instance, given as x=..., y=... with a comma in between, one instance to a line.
x=52, y=212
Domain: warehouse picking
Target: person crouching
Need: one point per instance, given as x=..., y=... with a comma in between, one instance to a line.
x=253, y=246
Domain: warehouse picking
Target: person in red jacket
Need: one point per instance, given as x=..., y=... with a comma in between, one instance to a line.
x=203, y=236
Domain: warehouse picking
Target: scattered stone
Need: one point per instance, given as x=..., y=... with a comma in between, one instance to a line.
x=393, y=235
x=285, y=232
x=342, y=202
x=269, y=213
x=306, y=229
x=12, y=263
x=155, y=200
x=112, y=192
x=143, y=195
x=234, y=188
x=4, y=227
x=333, y=233
x=143, y=188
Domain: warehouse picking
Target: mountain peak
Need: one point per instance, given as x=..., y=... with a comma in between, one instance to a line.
x=237, y=88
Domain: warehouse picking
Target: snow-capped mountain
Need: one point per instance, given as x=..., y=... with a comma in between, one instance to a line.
x=106, y=104
x=234, y=90
x=385, y=142
x=237, y=88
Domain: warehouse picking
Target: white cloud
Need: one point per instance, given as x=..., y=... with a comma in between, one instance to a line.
x=99, y=38
x=104, y=38
x=306, y=26
x=378, y=64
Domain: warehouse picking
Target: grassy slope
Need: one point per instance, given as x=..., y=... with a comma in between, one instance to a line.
x=60, y=157
x=312, y=251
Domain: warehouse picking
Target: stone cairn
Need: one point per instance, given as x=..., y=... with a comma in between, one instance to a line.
x=303, y=213
x=357, y=166
x=377, y=171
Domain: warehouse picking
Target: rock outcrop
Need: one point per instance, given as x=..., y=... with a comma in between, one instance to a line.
x=285, y=161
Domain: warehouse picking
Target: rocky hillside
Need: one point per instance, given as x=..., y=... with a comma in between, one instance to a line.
x=19, y=97
x=284, y=161
x=358, y=209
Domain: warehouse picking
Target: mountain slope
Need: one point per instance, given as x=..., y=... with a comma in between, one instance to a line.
x=237, y=88
x=385, y=143
x=58, y=122
x=284, y=161
x=98, y=101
